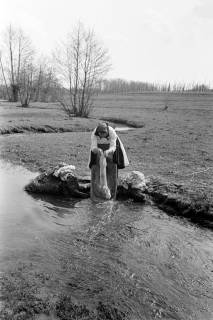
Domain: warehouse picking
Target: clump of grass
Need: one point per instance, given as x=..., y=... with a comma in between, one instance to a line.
x=23, y=298
x=66, y=309
x=20, y=297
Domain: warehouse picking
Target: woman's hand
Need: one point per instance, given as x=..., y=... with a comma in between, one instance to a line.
x=108, y=153
x=97, y=151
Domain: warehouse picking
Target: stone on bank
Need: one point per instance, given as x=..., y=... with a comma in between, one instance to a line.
x=62, y=180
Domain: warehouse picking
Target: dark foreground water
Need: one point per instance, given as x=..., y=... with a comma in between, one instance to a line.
x=132, y=257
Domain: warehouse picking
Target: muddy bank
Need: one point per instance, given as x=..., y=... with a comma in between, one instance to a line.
x=126, y=122
x=74, y=127
x=180, y=200
x=173, y=198
x=40, y=129
x=60, y=129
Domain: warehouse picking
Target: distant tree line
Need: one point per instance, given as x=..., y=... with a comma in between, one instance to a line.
x=121, y=86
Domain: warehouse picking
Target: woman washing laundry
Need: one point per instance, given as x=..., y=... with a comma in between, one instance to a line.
x=107, y=155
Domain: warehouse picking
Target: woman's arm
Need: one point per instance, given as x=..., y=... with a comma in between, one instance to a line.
x=112, y=140
x=94, y=143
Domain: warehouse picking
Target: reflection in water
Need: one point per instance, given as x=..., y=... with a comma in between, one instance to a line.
x=124, y=128
x=134, y=257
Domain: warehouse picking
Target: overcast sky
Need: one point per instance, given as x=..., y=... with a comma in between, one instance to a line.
x=148, y=40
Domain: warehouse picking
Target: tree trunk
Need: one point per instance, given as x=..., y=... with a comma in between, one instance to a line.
x=15, y=91
x=5, y=82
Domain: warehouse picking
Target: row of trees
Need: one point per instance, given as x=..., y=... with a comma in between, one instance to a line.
x=23, y=77
x=116, y=86
x=70, y=76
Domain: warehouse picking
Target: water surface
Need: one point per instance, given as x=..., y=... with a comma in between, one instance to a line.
x=134, y=257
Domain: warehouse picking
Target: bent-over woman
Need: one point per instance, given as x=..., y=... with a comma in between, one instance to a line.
x=107, y=155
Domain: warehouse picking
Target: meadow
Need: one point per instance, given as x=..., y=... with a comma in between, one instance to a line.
x=170, y=139
x=171, y=136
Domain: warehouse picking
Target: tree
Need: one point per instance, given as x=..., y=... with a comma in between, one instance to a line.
x=81, y=61
x=45, y=82
x=3, y=76
x=26, y=84
x=15, y=59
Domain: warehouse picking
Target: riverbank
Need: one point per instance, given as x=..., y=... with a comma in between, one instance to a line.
x=173, y=145
x=173, y=198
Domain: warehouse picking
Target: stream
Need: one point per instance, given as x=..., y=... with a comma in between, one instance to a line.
x=131, y=256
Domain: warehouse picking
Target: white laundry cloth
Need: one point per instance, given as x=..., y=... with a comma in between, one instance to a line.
x=64, y=172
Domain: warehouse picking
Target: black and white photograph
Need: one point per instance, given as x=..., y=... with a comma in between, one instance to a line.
x=106, y=160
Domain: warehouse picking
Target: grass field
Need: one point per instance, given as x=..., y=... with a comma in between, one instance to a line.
x=174, y=144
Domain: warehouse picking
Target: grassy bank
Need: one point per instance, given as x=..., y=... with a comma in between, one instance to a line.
x=39, y=118
x=174, y=144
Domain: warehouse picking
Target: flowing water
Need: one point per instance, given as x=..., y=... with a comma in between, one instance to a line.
x=140, y=260
x=124, y=128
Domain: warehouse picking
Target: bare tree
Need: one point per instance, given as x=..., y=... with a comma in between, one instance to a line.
x=38, y=83
x=4, y=77
x=80, y=63
x=26, y=88
x=16, y=55
x=45, y=82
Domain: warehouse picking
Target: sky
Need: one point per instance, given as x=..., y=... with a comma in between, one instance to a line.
x=148, y=40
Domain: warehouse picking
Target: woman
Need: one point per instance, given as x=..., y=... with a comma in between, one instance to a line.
x=105, y=142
